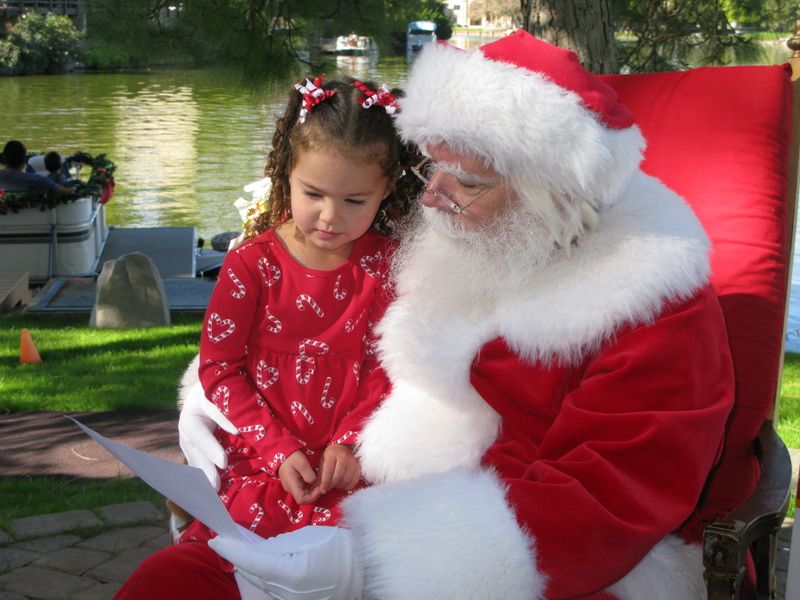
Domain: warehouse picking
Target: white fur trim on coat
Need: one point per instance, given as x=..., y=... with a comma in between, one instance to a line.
x=648, y=250
x=523, y=124
x=442, y=537
x=189, y=378
x=413, y=434
x=672, y=569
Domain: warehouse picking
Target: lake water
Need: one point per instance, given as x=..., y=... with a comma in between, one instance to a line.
x=185, y=142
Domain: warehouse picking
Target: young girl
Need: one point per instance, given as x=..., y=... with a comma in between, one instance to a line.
x=286, y=347
x=285, y=352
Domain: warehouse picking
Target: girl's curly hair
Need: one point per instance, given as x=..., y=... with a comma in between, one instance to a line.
x=340, y=123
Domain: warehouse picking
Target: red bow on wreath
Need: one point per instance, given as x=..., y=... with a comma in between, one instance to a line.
x=313, y=94
x=383, y=97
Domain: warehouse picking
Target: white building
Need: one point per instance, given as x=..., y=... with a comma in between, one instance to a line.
x=460, y=9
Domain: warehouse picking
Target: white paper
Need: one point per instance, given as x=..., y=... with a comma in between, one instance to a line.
x=186, y=486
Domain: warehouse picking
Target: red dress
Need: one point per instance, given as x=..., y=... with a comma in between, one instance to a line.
x=286, y=355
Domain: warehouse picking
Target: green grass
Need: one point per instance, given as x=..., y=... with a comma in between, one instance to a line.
x=29, y=496
x=789, y=406
x=88, y=369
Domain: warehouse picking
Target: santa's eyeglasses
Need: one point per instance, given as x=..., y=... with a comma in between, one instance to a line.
x=468, y=185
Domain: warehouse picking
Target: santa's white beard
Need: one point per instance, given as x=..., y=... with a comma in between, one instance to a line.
x=448, y=267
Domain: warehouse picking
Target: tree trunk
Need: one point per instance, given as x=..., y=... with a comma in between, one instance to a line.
x=584, y=26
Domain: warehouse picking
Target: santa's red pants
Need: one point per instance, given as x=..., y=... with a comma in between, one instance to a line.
x=188, y=571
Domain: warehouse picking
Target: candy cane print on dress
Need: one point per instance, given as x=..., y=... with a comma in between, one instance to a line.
x=240, y=291
x=292, y=519
x=276, y=324
x=218, y=328
x=365, y=264
x=350, y=325
x=220, y=398
x=338, y=292
x=297, y=407
x=304, y=299
x=261, y=381
x=320, y=515
x=325, y=401
x=259, y=429
x=277, y=460
x=255, y=507
x=220, y=363
x=321, y=347
x=269, y=272
x=301, y=374
x=347, y=435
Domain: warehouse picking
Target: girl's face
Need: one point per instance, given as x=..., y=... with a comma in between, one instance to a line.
x=334, y=202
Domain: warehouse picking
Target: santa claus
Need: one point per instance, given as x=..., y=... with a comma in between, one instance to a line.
x=559, y=364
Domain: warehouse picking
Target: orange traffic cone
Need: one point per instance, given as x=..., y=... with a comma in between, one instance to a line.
x=28, y=354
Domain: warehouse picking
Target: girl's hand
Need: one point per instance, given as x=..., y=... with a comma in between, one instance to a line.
x=297, y=478
x=339, y=469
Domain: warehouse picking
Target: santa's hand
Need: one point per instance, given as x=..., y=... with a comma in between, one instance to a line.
x=312, y=563
x=199, y=418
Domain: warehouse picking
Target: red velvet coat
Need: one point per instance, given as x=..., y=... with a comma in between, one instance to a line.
x=551, y=442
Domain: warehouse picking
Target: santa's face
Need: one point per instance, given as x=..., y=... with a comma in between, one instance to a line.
x=477, y=188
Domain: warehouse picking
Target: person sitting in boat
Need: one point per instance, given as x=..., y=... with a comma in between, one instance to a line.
x=56, y=169
x=13, y=177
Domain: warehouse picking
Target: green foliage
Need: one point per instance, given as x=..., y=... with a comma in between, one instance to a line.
x=38, y=44
x=250, y=37
x=107, y=57
x=664, y=35
x=772, y=15
x=87, y=369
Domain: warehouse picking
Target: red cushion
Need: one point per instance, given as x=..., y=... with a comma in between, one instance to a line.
x=720, y=136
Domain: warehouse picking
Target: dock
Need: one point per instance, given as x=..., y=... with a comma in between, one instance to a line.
x=173, y=252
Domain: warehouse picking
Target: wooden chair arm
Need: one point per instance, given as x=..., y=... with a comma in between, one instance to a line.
x=754, y=524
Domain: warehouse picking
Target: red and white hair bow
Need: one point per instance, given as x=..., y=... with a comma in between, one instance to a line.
x=383, y=97
x=313, y=94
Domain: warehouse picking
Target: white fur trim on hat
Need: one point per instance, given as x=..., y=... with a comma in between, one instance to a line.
x=525, y=126
x=449, y=536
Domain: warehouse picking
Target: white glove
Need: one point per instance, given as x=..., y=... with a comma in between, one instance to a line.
x=199, y=418
x=312, y=563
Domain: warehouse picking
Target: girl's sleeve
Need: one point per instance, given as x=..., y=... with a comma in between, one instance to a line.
x=373, y=384
x=230, y=318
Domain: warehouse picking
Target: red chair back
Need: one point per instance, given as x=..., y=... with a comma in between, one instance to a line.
x=720, y=137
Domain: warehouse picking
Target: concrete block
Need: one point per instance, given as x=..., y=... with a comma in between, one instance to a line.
x=162, y=541
x=131, y=513
x=48, y=544
x=104, y=591
x=130, y=293
x=13, y=558
x=13, y=291
x=108, y=541
x=45, y=584
x=118, y=569
x=72, y=560
x=52, y=524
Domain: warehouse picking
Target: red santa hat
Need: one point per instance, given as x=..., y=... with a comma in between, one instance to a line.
x=531, y=111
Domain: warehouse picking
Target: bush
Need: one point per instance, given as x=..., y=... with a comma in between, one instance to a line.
x=38, y=44
x=107, y=57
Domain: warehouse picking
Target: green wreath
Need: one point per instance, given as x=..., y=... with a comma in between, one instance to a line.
x=100, y=184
